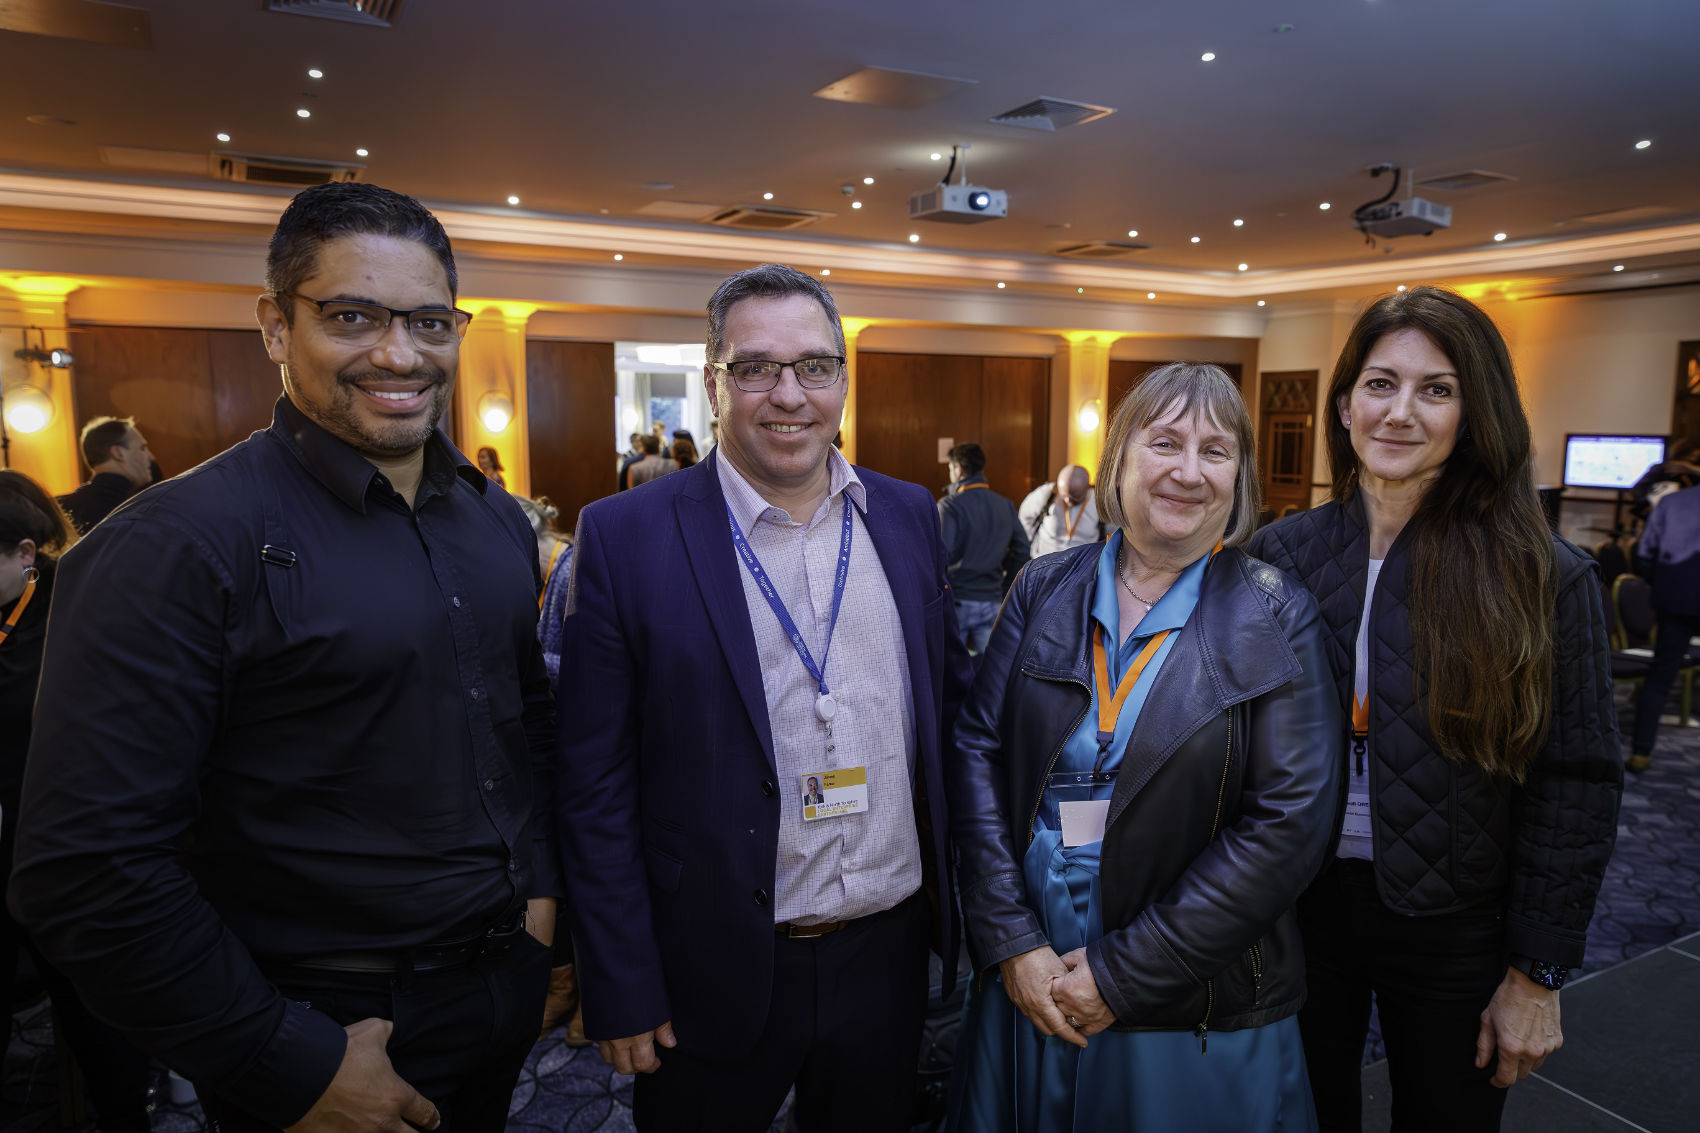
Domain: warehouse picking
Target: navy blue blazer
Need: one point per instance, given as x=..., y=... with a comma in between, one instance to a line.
x=668, y=797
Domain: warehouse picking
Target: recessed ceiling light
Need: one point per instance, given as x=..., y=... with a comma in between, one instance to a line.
x=914, y=238
x=1401, y=287
x=1498, y=236
x=855, y=204
x=618, y=256
x=867, y=180
x=936, y=156
x=1195, y=239
x=1151, y=295
x=361, y=153
x=315, y=73
x=767, y=196
x=1132, y=232
x=1238, y=223
x=1644, y=143
x=1244, y=266
x=303, y=113
x=1000, y=285
x=1207, y=57
x=513, y=200
x=826, y=271
x=1324, y=206
x=224, y=137
x=1617, y=267
x=1080, y=290
x=1261, y=303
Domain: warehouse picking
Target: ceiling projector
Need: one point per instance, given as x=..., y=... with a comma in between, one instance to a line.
x=960, y=203
x=1388, y=218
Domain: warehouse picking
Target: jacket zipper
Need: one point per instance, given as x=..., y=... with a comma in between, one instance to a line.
x=1033, y=819
x=1256, y=974
x=1203, y=1028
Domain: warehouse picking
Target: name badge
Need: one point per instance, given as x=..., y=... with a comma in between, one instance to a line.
x=1357, y=823
x=1083, y=822
x=834, y=793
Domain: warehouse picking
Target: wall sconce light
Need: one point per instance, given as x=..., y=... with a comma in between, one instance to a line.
x=57, y=359
x=28, y=410
x=1091, y=415
x=496, y=411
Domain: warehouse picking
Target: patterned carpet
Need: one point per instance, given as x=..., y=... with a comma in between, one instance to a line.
x=1651, y=897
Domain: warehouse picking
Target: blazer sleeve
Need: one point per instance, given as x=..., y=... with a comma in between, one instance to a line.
x=599, y=826
x=1257, y=866
x=1565, y=818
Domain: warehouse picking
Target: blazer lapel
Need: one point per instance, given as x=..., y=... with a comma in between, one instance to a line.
x=897, y=558
x=701, y=509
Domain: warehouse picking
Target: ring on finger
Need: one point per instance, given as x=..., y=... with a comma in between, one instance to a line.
x=1073, y=1022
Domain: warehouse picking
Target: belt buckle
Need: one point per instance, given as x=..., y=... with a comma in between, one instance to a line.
x=811, y=931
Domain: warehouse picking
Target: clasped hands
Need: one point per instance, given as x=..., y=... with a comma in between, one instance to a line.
x=1057, y=993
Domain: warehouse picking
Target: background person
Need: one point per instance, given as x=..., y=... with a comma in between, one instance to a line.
x=1062, y=514
x=984, y=544
x=490, y=463
x=121, y=465
x=1469, y=653
x=1668, y=556
x=653, y=466
x=1168, y=918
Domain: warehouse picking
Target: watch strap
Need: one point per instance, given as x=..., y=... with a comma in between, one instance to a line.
x=1549, y=976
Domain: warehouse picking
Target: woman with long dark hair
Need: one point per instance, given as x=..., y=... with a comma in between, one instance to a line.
x=1468, y=646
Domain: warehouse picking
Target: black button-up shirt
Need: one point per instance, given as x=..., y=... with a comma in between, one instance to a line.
x=94, y=501
x=283, y=714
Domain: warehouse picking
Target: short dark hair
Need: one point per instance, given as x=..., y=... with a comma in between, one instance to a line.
x=651, y=443
x=101, y=434
x=324, y=213
x=766, y=282
x=28, y=512
x=969, y=457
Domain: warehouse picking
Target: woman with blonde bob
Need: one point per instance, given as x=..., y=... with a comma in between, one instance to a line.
x=1469, y=654
x=1149, y=771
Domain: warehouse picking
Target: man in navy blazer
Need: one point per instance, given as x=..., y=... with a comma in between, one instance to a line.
x=794, y=624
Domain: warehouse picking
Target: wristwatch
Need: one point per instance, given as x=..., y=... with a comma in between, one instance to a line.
x=1549, y=976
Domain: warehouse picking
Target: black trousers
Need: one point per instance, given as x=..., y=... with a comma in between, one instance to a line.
x=461, y=1034
x=1431, y=978
x=843, y=1025
x=1669, y=649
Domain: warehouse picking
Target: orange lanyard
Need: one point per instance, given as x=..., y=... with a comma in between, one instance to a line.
x=1110, y=706
x=17, y=611
x=971, y=487
x=1360, y=716
x=1075, y=522
x=554, y=557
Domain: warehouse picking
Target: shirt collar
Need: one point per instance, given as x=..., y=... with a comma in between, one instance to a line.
x=749, y=507
x=1171, y=610
x=348, y=475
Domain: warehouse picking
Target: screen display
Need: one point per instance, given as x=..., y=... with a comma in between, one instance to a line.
x=1609, y=462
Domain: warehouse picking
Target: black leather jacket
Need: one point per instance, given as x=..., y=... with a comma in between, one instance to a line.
x=1223, y=812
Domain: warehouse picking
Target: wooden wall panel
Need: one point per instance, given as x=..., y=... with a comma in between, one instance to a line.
x=569, y=393
x=193, y=393
x=905, y=403
x=1015, y=421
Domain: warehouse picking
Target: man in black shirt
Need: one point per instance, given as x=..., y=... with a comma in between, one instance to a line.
x=291, y=787
x=121, y=465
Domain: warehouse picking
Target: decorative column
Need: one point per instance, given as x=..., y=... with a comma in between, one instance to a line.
x=489, y=404
x=1083, y=362
x=853, y=329
x=33, y=388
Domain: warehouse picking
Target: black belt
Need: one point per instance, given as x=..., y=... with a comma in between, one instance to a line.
x=426, y=958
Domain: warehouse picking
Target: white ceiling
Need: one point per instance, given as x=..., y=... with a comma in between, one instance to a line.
x=574, y=106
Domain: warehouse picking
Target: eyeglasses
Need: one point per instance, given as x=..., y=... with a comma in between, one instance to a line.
x=758, y=375
x=364, y=324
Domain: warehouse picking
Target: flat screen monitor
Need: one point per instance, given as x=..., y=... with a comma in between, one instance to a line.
x=1593, y=461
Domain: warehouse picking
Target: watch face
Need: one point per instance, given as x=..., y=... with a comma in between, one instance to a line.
x=1550, y=976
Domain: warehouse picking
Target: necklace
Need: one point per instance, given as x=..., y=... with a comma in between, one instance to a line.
x=1121, y=573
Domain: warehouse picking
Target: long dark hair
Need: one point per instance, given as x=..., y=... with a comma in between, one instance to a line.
x=28, y=512
x=1483, y=576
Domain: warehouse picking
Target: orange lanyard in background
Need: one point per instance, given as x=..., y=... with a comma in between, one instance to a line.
x=554, y=557
x=18, y=610
x=1075, y=522
x=971, y=487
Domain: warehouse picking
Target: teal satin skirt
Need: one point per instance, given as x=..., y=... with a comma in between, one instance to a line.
x=1008, y=1077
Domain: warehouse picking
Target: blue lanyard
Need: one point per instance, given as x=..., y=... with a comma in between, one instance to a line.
x=818, y=672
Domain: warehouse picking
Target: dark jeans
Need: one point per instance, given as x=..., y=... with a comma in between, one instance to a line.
x=1431, y=978
x=843, y=1024
x=461, y=1034
x=1669, y=649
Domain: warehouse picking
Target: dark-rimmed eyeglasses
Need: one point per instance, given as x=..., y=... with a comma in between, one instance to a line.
x=758, y=375
x=363, y=324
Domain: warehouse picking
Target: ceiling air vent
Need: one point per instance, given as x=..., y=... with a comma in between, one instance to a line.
x=766, y=218
x=1052, y=114
x=1468, y=179
x=374, y=13
x=294, y=171
x=1101, y=249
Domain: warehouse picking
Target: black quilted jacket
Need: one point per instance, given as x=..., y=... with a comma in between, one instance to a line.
x=1449, y=835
